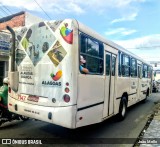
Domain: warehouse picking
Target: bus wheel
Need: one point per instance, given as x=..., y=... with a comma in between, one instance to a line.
x=122, y=108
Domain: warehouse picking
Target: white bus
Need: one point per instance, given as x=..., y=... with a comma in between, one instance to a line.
x=46, y=83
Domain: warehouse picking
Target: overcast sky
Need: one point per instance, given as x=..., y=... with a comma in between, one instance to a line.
x=133, y=24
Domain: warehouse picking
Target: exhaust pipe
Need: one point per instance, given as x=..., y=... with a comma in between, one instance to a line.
x=13, y=74
x=12, y=48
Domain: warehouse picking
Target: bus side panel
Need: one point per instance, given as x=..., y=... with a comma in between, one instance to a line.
x=90, y=99
x=132, y=97
x=90, y=90
x=129, y=86
x=122, y=86
x=89, y=116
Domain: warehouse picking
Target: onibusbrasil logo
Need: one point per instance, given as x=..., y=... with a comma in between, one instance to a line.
x=56, y=76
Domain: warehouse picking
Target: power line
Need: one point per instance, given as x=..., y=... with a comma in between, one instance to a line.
x=43, y=10
x=6, y=8
x=1, y=15
x=3, y=11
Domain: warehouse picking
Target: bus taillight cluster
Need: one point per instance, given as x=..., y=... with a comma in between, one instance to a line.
x=66, y=97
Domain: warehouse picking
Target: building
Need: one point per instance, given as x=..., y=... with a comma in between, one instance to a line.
x=14, y=21
x=4, y=54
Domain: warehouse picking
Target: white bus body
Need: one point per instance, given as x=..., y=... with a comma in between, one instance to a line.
x=50, y=86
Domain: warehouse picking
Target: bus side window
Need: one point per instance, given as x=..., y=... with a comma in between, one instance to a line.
x=133, y=69
x=92, y=50
x=123, y=70
x=145, y=71
x=113, y=65
x=83, y=43
x=119, y=63
x=108, y=58
x=125, y=65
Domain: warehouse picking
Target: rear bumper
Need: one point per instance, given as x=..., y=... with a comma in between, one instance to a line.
x=63, y=116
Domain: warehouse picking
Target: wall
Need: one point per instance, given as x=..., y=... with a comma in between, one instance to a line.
x=14, y=22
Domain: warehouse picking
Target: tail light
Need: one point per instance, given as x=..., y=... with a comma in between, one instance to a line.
x=9, y=89
x=67, y=84
x=66, y=98
x=66, y=90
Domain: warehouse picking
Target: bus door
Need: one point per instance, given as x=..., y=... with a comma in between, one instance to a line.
x=110, y=64
x=139, y=86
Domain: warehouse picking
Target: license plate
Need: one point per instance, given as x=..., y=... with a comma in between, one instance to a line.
x=33, y=98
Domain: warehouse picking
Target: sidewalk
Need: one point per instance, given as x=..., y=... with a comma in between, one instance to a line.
x=150, y=135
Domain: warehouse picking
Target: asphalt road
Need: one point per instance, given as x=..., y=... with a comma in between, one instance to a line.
x=131, y=127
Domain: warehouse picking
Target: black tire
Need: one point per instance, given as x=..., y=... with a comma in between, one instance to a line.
x=122, y=109
x=24, y=118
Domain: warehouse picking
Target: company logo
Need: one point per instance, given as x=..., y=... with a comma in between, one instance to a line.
x=66, y=33
x=6, y=141
x=57, y=76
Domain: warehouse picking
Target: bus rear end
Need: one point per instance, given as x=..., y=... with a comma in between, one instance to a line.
x=45, y=60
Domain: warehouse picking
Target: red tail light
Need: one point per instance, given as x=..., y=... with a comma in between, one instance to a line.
x=66, y=90
x=9, y=89
x=67, y=84
x=66, y=98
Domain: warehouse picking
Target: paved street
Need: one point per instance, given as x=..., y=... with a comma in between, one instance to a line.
x=129, y=128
